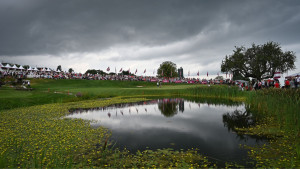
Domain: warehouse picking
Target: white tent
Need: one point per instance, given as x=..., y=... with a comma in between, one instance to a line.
x=29, y=69
x=14, y=67
x=21, y=68
x=294, y=75
x=7, y=66
x=35, y=69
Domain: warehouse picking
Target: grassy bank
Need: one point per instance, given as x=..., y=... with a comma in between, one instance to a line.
x=279, y=112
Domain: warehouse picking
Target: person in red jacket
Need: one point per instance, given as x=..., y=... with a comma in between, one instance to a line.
x=287, y=84
x=276, y=85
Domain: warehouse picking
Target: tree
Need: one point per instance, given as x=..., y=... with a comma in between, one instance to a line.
x=125, y=72
x=91, y=71
x=219, y=78
x=71, y=70
x=26, y=66
x=259, y=61
x=58, y=68
x=167, y=69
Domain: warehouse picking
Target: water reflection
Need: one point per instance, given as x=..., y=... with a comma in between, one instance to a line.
x=165, y=123
x=169, y=107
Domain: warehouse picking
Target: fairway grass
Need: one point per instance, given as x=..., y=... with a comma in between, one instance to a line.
x=61, y=91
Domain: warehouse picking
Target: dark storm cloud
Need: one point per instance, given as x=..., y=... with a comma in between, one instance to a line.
x=188, y=31
x=55, y=26
x=77, y=25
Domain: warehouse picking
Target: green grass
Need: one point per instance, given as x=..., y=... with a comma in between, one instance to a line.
x=33, y=135
x=56, y=91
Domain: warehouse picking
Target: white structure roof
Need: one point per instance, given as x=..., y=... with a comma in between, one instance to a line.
x=7, y=66
x=15, y=67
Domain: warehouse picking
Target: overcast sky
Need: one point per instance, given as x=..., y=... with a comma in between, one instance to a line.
x=141, y=34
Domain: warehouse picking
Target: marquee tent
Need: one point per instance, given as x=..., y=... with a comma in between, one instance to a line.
x=294, y=75
x=7, y=66
x=21, y=68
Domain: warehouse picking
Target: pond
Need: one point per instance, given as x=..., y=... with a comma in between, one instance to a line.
x=178, y=124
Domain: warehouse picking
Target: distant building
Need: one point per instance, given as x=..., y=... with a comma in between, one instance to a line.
x=180, y=73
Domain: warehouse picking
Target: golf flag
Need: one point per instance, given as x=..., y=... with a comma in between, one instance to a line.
x=108, y=69
x=207, y=74
x=145, y=71
x=135, y=71
x=121, y=70
x=198, y=73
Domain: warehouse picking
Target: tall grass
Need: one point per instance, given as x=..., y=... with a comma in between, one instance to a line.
x=222, y=91
x=283, y=105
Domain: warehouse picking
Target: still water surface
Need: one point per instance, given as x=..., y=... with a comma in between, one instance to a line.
x=177, y=124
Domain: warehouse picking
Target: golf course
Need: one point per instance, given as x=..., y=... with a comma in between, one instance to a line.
x=35, y=133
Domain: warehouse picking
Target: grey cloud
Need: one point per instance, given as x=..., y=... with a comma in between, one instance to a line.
x=67, y=26
x=209, y=30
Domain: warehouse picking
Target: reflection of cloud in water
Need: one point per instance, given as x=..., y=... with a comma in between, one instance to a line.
x=202, y=121
x=160, y=122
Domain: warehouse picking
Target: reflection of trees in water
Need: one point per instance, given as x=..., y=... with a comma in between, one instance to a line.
x=168, y=109
x=240, y=119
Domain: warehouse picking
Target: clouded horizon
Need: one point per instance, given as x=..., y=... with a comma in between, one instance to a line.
x=141, y=34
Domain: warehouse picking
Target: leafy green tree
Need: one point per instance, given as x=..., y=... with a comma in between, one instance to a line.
x=167, y=69
x=91, y=71
x=125, y=72
x=58, y=68
x=26, y=66
x=94, y=71
x=71, y=70
x=259, y=61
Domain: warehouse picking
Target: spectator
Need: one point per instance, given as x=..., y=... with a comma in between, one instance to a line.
x=287, y=83
x=277, y=84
